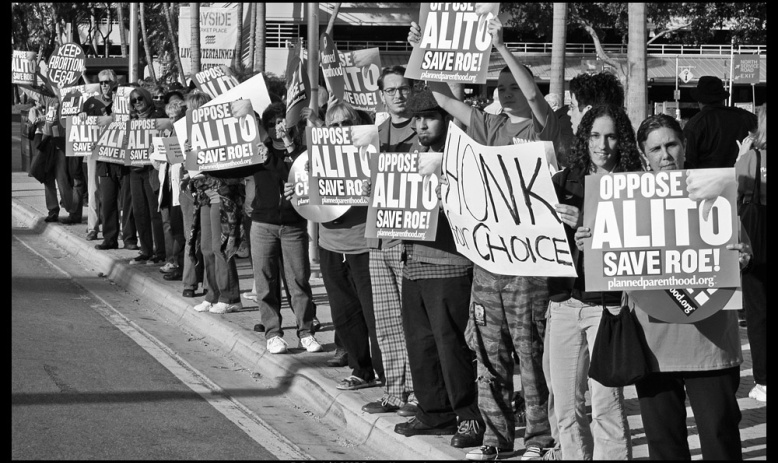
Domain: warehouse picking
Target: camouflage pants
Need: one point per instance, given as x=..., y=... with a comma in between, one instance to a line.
x=509, y=314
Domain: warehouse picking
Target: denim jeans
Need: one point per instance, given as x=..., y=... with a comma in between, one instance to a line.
x=60, y=180
x=145, y=208
x=573, y=331
x=268, y=244
x=93, y=218
x=173, y=228
x=192, y=268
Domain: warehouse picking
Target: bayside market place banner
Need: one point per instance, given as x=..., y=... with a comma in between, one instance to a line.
x=455, y=44
x=499, y=202
x=647, y=234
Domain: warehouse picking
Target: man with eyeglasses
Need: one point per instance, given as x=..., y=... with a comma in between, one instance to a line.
x=396, y=134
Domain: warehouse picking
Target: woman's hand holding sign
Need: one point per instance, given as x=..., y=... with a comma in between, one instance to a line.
x=706, y=185
x=568, y=214
x=580, y=235
x=745, y=253
x=414, y=34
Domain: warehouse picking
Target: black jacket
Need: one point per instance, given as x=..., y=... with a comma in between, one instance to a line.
x=269, y=205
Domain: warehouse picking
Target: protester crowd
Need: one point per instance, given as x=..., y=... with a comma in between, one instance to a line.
x=440, y=334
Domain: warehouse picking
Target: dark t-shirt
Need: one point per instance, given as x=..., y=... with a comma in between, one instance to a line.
x=712, y=136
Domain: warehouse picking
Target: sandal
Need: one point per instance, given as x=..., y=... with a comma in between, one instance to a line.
x=353, y=383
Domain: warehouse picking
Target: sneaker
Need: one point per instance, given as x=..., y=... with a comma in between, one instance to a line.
x=470, y=433
x=250, y=296
x=759, y=393
x=223, y=307
x=276, y=345
x=488, y=452
x=553, y=454
x=203, y=306
x=141, y=259
x=168, y=267
x=340, y=359
x=310, y=344
x=154, y=260
x=533, y=452
x=380, y=406
x=91, y=236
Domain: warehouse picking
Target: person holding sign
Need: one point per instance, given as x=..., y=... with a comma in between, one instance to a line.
x=604, y=143
x=144, y=187
x=700, y=360
x=345, y=267
x=520, y=302
x=396, y=134
x=435, y=297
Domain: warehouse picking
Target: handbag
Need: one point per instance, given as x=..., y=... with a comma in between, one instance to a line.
x=29, y=130
x=44, y=163
x=753, y=216
x=618, y=357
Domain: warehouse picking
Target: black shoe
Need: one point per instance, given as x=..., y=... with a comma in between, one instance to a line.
x=173, y=276
x=131, y=247
x=51, y=218
x=409, y=409
x=380, y=406
x=70, y=220
x=105, y=246
x=340, y=359
x=470, y=433
x=414, y=427
x=187, y=292
x=315, y=325
x=91, y=236
x=141, y=259
x=259, y=328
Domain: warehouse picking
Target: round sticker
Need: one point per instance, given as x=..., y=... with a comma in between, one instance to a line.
x=686, y=305
x=299, y=176
x=66, y=65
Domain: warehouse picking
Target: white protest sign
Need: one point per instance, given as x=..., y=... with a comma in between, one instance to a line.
x=499, y=201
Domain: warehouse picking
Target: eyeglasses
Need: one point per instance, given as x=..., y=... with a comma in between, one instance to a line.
x=405, y=90
x=137, y=100
x=342, y=124
x=158, y=97
x=105, y=82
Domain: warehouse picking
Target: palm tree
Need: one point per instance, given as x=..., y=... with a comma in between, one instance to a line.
x=174, y=40
x=559, y=41
x=149, y=59
x=636, y=70
x=252, y=33
x=259, y=61
x=195, y=15
x=122, y=30
x=239, y=52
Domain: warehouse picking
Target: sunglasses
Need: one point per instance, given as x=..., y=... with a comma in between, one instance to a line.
x=157, y=98
x=105, y=82
x=137, y=100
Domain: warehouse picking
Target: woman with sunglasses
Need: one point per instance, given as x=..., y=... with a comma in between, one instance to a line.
x=144, y=186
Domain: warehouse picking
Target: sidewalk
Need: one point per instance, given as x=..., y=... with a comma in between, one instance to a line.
x=306, y=375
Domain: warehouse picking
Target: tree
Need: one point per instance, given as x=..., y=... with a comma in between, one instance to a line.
x=174, y=40
x=637, y=72
x=122, y=29
x=557, y=84
x=252, y=33
x=239, y=51
x=259, y=61
x=195, y=61
x=149, y=59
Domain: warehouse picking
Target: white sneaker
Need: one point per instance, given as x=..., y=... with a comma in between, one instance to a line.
x=276, y=345
x=203, y=306
x=759, y=393
x=533, y=453
x=250, y=296
x=223, y=307
x=310, y=344
x=168, y=267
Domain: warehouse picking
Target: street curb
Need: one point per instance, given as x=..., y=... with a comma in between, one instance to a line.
x=341, y=408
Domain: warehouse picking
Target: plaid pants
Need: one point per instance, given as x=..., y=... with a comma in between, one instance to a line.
x=386, y=279
x=509, y=314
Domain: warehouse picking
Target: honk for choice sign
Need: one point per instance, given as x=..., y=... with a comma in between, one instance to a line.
x=219, y=139
x=647, y=233
x=339, y=163
x=499, y=202
x=403, y=201
x=455, y=43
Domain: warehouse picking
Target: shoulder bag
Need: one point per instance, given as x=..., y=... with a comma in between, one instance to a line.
x=618, y=357
x=753, y=216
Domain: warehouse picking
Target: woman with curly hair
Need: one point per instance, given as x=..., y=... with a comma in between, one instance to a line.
x=604, y=143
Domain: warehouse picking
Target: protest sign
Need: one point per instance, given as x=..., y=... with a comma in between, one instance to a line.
x=402, y=204
x=301, y=199
x=339, y=163
x=79, y=135
x=66, y=65
x=253, y=90
x=157, y=151
x=455, y=43
x=687, y=305
x=219, y=139
x=648, y=234
x=139, y=135
x=23, y=67
x=362, y=68
x=298, y=89
x=499, y=201
x=173, y=150
x=331, y=69
x=111, y=143
x=216, y=80
x=121, y=104
x=218, y=37
x=73, y=99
